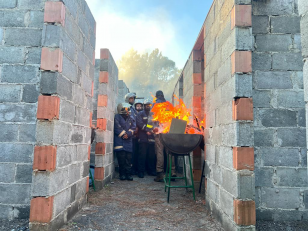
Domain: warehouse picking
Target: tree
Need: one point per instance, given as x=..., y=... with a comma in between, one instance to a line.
x=146, y=73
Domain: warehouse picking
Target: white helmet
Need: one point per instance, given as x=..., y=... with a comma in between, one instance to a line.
x=147, y=101
x=129, y=95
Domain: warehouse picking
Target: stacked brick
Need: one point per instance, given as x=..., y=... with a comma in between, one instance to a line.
x=279, y=110
x=64, y=114
x=106, y=76
x=122, y=91
x=21, y=27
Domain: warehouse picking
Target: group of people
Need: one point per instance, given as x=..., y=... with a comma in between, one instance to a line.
x=136, y=141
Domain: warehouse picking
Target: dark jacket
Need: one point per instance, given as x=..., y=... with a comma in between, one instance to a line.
x=144, y=127
x=122, y=127
x=134, y=112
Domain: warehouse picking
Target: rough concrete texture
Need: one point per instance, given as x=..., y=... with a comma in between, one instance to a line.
x=141, y=205
x=279, y=125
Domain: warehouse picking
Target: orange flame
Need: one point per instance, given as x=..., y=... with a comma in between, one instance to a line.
x=165, y=112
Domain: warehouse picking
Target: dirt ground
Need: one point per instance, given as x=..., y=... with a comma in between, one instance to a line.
x=142, y=205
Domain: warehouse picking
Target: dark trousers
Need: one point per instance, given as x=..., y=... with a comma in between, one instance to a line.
x=135, y=155
x=125, y=162
x=147, y=158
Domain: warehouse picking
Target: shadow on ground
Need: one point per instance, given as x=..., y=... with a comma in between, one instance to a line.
x=142, y=205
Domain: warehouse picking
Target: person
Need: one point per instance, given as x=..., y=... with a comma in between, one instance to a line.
x=159, y=147
x=138, y=107
x=146, y=155
x=124, y=129
x=130, y=98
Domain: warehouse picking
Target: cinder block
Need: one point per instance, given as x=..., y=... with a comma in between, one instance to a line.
x=278, y=118
x=241, y=61
x=74, y=173
x=273, y=80
x=67, y=111
x=86, y=83
x=273, y=7
x=23, y=173
x=273, y=42
x=11, y=55
x=99, y=173
x=243, y=158
x=226, y=202
x=260, y=24
x=285, y=198
x=244, y=212
x=66, y=155
x=245, y=134
x=78, y=95
x=19, y=74
x=8, y=4
x=23, y=37
x=10, y=93
x=291, y=99
x=288, y=62
x=30, y=94
x=61, y=201
x=19, y=153
x=261, y=61
x=82, y=61
x=82, y=116
x=7, y=172
x=41, y=209
x=51, y=59
x=9, y=133
x=286, y=24
x=36, y=19
x=241, y=16
x=54, y=13
x=48, y=107
x=69, y=70
x=243, y=85
x=82, y=153
x=292, y=177
x=242, y=109
x=246, y=185
x=45, y=158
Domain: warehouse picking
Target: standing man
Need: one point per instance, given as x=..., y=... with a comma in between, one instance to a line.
x=146, y=155
x=130, y=98
x=159, y=148
x=124, y=129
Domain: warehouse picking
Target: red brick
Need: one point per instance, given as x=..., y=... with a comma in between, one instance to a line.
x=102, y=124
x=197, y=78
x=197, y=174
x=91, y=114
x=99, y=173
x=242, y=109
x=102, y=100
x=197, y=100
x=241, y=61
x=89, y=152
x=48, y=107
x=100, y=148
x=198, y=90
x=45, y=158
x=243, y=158
x=87, y=186
x=41, y=209
x=197, y=55
x=241, y=16
x=54, y=12
x=205, y=183
x=204, y=61
x=244, y=212
x=92, y=89
x=103, y=77
x=51, y=59
x=204, y=91
x=104, y=54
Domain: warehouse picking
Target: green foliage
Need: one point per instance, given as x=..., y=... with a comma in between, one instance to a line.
x=146, y=73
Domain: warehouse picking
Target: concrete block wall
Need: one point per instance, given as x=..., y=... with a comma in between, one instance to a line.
x=21, y=28
x=229, y=137
x=64, y=114
x=106, y=89
x=122, y=91
x=279, y=110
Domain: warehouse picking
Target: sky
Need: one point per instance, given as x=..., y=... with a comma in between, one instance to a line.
x=172, y=26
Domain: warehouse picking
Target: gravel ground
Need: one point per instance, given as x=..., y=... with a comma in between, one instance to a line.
x=142, y=205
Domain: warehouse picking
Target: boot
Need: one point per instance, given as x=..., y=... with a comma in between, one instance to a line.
x=129, y=177
x=160, y=177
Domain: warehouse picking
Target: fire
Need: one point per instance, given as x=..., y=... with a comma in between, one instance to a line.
x=165, y=112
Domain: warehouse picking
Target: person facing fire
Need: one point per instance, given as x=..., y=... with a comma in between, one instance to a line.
x=146, y=155
x=130, y=98
x=159, y=147
x=124, y=129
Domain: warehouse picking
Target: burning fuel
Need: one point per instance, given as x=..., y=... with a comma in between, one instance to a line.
x=165, y=112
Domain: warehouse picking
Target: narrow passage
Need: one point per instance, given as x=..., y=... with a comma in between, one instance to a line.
x=141, y=205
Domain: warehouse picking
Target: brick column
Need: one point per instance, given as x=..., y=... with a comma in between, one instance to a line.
x=64, y=115
x=106, y=78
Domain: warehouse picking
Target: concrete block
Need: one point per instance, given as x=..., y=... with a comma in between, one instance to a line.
x=7, y=172
x=279, y=156
x=30, y=93
x=297, y=42
x=288, y=61
x=303, y=157
x=72, y=29
x=297, y=80
x=273, y=80
x=226, y=202
x=19, y=153
x=261, y=61
x=72, y=7
x=69, y=70
x=263, y=177
x=20, y=196
x=243, y=85
x=17, y=113
x=245, y=134
x=246, y=185
x=285, y=24
x=35, y=19
x=78, y=95
x=292, y=177
x=9, y=132
x=81, y=188
x=10, y=93
x=61, y=201
x=51, y=35
x=19, y=74
x=244, y=39
x=13, y=18
x=229, y=181
x=27, y=133
x=304, y=38
x=230, y=134
x=291, y=99
x=260, y=24
x=261, y=98
x=302, y=7
x=83, y=25
x=89, y=51
x=104, y=65
x=85, y=169
x=273, y=42
x=291, y=137
x=31, y=4
x=23, y=173
x=278, y=118
x=33, y=55
x=285, y=198
x=212, y=191
x=90, y=17
x=287, y=215
x=67, y=111
x=82, y=61
x=264, y=137
x=273, y=7
x=86, y=83
x=8, y=4
x=82, y=153
x=23, y=37
x=226, y=157
x=224, y=73
x=66, y=155
x=78, y=134
x=11, y=55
